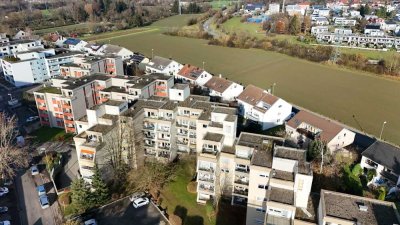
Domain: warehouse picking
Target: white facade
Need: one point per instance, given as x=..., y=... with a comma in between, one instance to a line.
x=273, y=8
x=294, y=10
x=341, y=21
x=167, y=67
x=179, y=92
x=53, y=63
x=11, y=47
x=319, y=30
x=342, y=31
x=374, y=32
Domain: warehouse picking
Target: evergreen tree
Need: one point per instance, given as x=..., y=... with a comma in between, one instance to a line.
x=294, y=25
x=175, y=7
x=80, y=195
x=100, y=194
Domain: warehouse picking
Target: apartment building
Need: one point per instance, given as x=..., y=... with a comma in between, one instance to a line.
x=66, y=101
x=193, y=75
x=319, y=30
x=340, y=208
x=342, y=21
x=26, y=67
x=55, y=62
x=10, y=47
x=263, y=108
x=162, y=65
x=86, y=65
x=305, y=126
x=223, y=89
x=98, y=132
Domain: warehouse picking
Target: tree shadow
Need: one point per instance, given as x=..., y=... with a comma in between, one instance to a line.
x=228, y=214
x=181, y=212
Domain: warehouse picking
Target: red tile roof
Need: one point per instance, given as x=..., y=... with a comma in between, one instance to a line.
x=188, y=71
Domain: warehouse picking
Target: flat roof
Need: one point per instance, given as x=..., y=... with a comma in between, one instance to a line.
x=101, y=128
x=262, y=158
x=115, y=89
x=281, y=195
x=50, y=89
x=290, y=153
x=213, y=137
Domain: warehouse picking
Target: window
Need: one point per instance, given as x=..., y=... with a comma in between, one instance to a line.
x=262, y=186
x=80, y=126
x=225, y=170
x=259, y=221
x=204, y=125
x=180, y=94
x=263, y=175
x=260, y=210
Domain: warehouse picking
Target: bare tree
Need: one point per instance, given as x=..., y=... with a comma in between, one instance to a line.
x=12, y=157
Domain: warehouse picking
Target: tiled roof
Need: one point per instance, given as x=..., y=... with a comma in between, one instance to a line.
x=384, y=154
x=253, y=95
x=329, y=128
x=218, y=84
x=159, y=63
x=190, y=72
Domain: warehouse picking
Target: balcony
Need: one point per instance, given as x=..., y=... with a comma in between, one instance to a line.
x=68, y=114
x=182, y=134
x=192, y=127
x=206, y=169
x=149, y=144
x=192, y=136
x=206, y=188
x=163, y=154
x=69, y=122
x=163, y=129
x=242, y=181
x=161, y=87
x=252, y=117
x=164, y=147
x=240, y=191
x=149, y=126
x=87, y=157
x=205, y=178
x=70, y=129
x=149, y=152
x=40, y=100
x=180, y=125
x=42, y=108
x=182, y=149
x=44, y=122
x=45, y=115
x=66, y=106
x=209, y=151
x=163, y=138
x=242, y=170
x=179, y=142
x=149, y=136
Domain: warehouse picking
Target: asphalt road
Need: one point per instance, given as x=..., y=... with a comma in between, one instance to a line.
x=30, y=211
x=122, y=212
x=9, y=200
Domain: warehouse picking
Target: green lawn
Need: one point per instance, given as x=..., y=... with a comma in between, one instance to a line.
x=180, y=202
x=67, y=28
x=337, y=93
x=234, y=25
x=217, y=4
x=45, y=134
x=111, y=35
x=369, y=53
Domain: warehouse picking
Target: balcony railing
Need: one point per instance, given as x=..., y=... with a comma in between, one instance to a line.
x=164, y=147
x=149, y=144
x=162, y=129
x=206, y=179
x=150, y=136
x=163, y=154
x=148, y=127
x=203, y=187
x=209, y=151
x=192, y=135
x=207, y=169
x=241, y=191
x=192, y=127
x=150, y=153
x=87, y=157
x=242, y=170
x=181, y=125
x=183, y=134
x=179, y=142
x=242, y=181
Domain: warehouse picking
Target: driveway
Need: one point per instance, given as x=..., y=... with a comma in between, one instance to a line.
x=30, y=211
x=122, y=212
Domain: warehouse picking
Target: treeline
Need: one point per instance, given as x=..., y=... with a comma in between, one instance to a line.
x=311, y=53
x=123, y=13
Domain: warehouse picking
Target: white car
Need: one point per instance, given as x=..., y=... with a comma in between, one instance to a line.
x=137, y=195
x=90, y=222
x=32, y=118
x=3, y=209
x=140, y=202
x=5, y=222
x=3, y=191
x=34, y=170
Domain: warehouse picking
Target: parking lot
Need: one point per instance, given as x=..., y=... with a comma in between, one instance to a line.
x=9, y=200
x=122, y=212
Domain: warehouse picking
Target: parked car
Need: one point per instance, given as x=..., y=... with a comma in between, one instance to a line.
x=90, y=222
x=41, y=190
x=32, y=118
x=8, y=182
x=137, y=195
x=5, y=222
x=3, y=209
x=34, y=170
x=3, y=191
x=44, y=201
x=140, y=202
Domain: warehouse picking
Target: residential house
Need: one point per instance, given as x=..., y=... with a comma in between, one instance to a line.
x=305, y=126
x=263, y=108
x=384, y=158
x=294, y=10
x=273, y=8
x=251, y=8
x=14, y=46
x=75, y=44
x=193, y=75
x=373, y=30
x=162, y=65
x=223, y=89
x=115, y=50
x=340, y=208
x=342, y=21
x=319, y=30
x=343, y=31
x=319, y=21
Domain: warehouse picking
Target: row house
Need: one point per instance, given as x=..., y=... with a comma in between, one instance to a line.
x=305, y=127
x=108, y=49
x=193, y=75
x=162, y=65
x=98, y=131
x=10, y=47
x=26, y=67
x=342, y=21
x=359, y=40
x=223, y=89
x=319, y=30
x=263, y=108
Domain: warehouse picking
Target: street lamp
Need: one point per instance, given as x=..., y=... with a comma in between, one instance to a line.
x=383, y=126
x=203, y=64
x=152, y=52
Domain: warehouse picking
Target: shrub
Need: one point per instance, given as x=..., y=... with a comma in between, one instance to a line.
x=382, y=193
x=65, y=199
x=357, y=170
x=370, y=174
x=192, y=21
